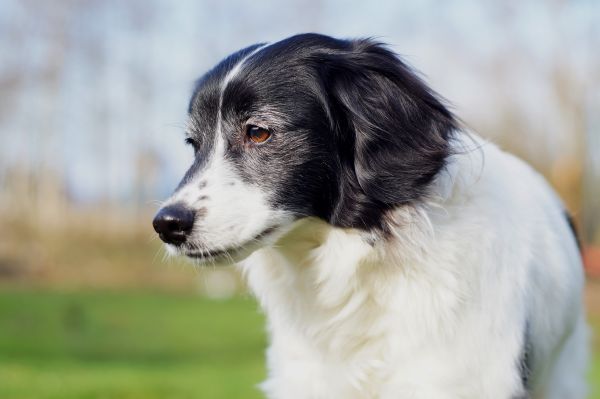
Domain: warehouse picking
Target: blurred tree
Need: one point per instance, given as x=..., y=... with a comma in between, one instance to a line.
x=84, y=85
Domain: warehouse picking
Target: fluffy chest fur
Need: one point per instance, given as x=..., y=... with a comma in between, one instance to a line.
x=347, y=320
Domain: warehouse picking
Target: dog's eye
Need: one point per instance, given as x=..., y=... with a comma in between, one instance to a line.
x=257, y=134
x=192, y=142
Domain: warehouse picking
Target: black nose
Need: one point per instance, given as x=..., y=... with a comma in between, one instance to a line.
x=173, y=223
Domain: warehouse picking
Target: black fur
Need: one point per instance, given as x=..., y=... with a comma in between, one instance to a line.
x=525, y=363
x=571, y=223
x=355, y=132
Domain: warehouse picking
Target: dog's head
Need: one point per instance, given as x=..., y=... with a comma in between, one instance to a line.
x=310, y=126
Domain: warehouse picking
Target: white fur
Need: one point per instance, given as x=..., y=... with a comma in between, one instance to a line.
x=437, y=310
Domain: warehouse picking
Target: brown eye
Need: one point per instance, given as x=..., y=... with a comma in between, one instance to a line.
x=257, y=134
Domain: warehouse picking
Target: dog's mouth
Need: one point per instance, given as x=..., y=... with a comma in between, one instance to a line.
x=230, y=253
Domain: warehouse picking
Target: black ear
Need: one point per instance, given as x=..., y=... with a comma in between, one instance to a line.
x=394, y=130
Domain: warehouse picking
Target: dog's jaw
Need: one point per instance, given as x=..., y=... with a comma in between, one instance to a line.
x=229, y=255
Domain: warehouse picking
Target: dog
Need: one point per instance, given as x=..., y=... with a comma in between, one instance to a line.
x=395, y=253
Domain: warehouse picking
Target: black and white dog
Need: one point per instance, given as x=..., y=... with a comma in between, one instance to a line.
x=395, y=254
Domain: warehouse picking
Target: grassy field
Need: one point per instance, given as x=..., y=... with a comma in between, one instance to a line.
x=128, y=345
x=131, y=345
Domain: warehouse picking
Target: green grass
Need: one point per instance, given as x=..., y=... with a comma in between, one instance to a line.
x=115, y=345
x=595, y=379
x=594, y=374
x=128, y=345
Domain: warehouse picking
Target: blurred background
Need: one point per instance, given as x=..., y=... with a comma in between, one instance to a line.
x=93, y=98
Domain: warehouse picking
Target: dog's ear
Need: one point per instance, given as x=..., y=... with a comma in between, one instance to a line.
x=393, y=131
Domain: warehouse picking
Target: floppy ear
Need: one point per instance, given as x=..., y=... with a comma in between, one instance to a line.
x=394, y=129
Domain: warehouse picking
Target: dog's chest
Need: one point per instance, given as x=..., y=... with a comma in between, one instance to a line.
x=340, y=329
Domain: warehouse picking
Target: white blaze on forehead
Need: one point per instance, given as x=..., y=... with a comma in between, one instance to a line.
x=219, y=147
x=236, y=70
x=228, y=78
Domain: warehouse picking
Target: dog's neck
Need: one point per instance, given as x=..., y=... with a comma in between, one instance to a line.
x=311, y=253
x=326, y=258
x=308, y=281
x=325, y=283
